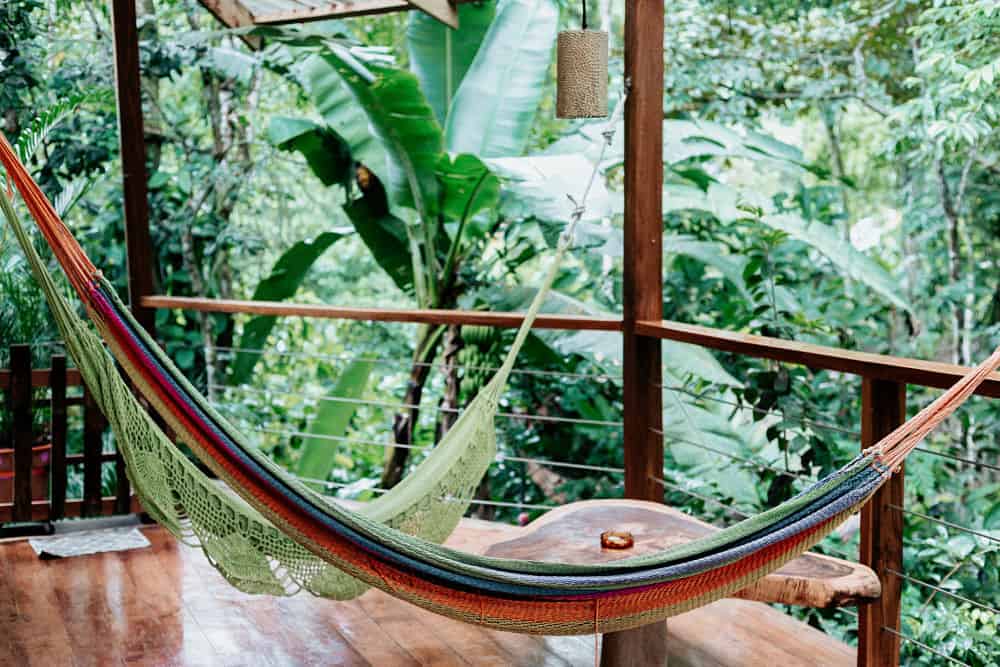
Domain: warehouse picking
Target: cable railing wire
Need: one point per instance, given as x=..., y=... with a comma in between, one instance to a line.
x=943, y=591
x=699, y=496
x=735, y=457
x=471, y=501
x=392, y=405
x=958, y=459
x=924, y=646
x=948, y=524
x=705, y=395
x=387, y=445
x=410, y=364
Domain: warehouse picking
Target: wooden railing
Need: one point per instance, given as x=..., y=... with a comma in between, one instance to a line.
x=884, y=381
x=41, y=463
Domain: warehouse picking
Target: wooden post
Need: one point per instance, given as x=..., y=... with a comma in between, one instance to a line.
x=642, y=294
x=123, y=487
x=131, y=137
x=22, y=434
x=93, y=445
x=57, y=467
x=883, y=408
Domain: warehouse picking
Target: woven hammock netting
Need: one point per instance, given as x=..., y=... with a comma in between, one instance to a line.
x=247, y=549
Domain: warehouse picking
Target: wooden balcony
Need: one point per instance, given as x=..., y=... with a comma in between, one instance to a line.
x=166, y=605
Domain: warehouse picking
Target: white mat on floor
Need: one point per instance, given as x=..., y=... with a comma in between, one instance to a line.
x=87, y=542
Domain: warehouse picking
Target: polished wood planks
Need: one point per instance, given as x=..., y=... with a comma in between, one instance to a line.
x=167, y=606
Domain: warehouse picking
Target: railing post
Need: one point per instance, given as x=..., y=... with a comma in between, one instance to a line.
x=883, y=408
x=642, y=295
x=138, y=243
x=93, y=445
x=57, y=468
x=22, y=434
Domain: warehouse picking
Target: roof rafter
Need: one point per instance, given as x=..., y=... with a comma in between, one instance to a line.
x=245, y=13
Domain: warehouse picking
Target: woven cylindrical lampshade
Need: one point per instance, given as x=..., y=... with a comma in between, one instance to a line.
x=582, y=74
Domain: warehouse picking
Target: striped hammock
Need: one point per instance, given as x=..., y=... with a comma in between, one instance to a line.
x=275, y=533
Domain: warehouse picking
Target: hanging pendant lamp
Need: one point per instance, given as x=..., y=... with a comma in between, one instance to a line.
x=582, y=72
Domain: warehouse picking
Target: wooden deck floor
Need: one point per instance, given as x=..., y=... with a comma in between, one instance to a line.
x=167, y=606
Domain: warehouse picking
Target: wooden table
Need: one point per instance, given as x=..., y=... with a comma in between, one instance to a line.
x=572, y=534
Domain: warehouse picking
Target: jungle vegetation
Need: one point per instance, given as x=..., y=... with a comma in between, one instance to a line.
x=832, y=175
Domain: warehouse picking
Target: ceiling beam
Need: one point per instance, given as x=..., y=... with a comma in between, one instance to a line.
x=234, y=14
x=442, y=10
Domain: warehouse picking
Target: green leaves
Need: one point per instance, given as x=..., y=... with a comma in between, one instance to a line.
x=319, y=455
x=284, y=280
x=728, y=205
x=468, y=186
x=495, y=106
x=385, y=235
x=440, y=56
x=402, y=120
x=335, y=103
x=853, y=264
x=326, y=152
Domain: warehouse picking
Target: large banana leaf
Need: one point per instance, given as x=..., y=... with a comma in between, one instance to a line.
x=332, y=419
x=327, y=153
x=385, y=236
x=341, y=112
x=401, y=119
x=282, y=283
x=440, y=56
x=496, y=104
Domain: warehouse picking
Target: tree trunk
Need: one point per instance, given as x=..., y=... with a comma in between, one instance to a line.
x=406, y=419
x=449, y=401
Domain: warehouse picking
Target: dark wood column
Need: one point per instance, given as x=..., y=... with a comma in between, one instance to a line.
x=139, y=247
x=643, y=294
x=883, y=408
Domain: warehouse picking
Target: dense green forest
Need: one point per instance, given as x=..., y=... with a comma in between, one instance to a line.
x=832, y=175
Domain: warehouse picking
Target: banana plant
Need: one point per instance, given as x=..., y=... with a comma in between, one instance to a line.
x=415, y=140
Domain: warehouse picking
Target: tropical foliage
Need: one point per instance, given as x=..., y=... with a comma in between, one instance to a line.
x=832, y=175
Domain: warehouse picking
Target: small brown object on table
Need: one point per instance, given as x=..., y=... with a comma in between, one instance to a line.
x=573, y=534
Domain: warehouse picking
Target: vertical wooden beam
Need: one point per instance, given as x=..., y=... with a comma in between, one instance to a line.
x=131, y=137
x=642, y=294
x=93, y=448
x=21, y=431
x=57, y=467
x=883, y=408
x=123, y=487
x=643, y=271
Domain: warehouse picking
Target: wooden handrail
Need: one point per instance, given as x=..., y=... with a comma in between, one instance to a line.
x=41, y=377
x=474, y=317
x=864, y=364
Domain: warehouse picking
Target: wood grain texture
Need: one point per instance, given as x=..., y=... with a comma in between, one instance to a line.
x=42, y=377
x=642, y=292
x=296, y=13
x=233, y=14
x=864, y=364
x=474, y=317
x=57, y=468
x=167, y=606
x=93, y=443
x=571, y=534
x=139, y=255
x=74, y=508
x=883, y=408
x=22, y=429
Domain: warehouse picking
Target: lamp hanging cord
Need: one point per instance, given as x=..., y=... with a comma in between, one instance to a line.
x=584, y=12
